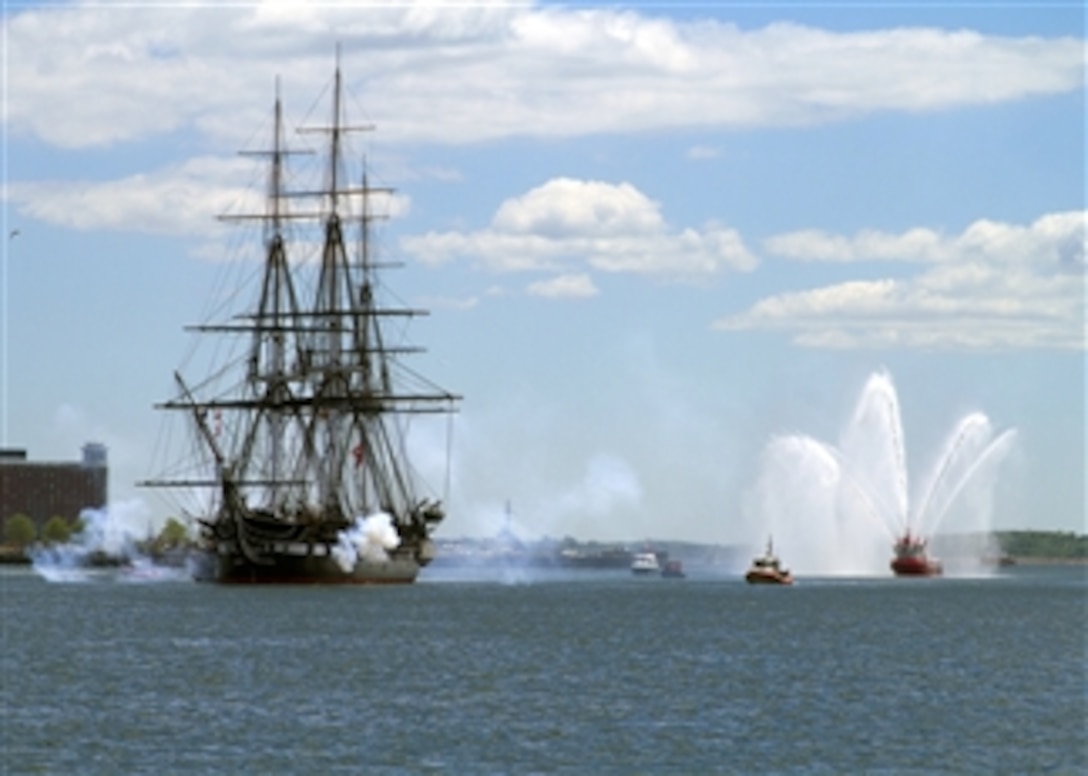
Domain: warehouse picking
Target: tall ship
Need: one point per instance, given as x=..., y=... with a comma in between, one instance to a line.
x=301, y=440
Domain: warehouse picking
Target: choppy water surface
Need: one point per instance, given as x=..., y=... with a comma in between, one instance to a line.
x=596, y=674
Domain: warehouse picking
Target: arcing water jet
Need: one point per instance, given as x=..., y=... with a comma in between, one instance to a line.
x=838, y=509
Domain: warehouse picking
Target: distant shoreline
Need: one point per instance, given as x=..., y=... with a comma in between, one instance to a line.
x=10, y=557
x=13, y=558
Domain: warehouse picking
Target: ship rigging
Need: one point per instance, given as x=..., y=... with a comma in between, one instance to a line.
x=306, y=451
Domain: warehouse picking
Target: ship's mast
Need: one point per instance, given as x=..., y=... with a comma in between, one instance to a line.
x=333, y=259
x=334, y=303
x=267, y=372
x=322, y=415
x=280, y=276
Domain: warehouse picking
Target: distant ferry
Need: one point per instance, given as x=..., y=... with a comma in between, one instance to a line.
x=645, y=563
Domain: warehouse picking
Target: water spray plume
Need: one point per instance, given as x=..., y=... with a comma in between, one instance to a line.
x=108, y=546
x=987, y=459
x=961, y=435
x=871, y=447
x=837, y=509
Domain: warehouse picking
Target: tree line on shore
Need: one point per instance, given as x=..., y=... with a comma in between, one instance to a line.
x=20, y=533
x=1059, y=545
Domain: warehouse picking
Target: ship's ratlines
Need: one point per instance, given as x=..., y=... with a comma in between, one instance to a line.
x=302, y=437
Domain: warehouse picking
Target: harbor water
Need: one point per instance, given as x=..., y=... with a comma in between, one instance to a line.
x=520, y=673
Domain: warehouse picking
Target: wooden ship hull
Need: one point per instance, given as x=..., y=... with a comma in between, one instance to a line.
x=299, y=568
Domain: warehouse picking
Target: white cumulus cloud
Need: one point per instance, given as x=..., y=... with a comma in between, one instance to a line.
x=184, y=199
x=83, y=75
x=564, y=287
x=995, y=285
x=607, y=227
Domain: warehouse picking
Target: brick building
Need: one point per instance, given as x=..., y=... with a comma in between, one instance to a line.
x=44, y=489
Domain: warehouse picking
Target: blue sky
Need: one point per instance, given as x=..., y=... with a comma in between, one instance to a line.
x=652, y=238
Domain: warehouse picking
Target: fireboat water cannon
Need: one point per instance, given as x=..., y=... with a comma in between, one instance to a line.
x=911, y=558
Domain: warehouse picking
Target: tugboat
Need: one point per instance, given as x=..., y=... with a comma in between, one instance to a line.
x=302, y=445
x=911, y=559
x=766, y=569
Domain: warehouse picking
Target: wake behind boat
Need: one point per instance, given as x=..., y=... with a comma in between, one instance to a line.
x=767, y=569
x=305, y=449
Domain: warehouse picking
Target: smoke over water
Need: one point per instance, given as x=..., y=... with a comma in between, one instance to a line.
x=371, y=538
x=107, y=548
x=604, y=496
x=521, y=543
x=837, y=509
x=609, y=484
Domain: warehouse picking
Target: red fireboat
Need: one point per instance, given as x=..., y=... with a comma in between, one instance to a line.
x=911, y=559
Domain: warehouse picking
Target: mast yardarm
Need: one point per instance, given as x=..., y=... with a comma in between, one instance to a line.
x=318, y=416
